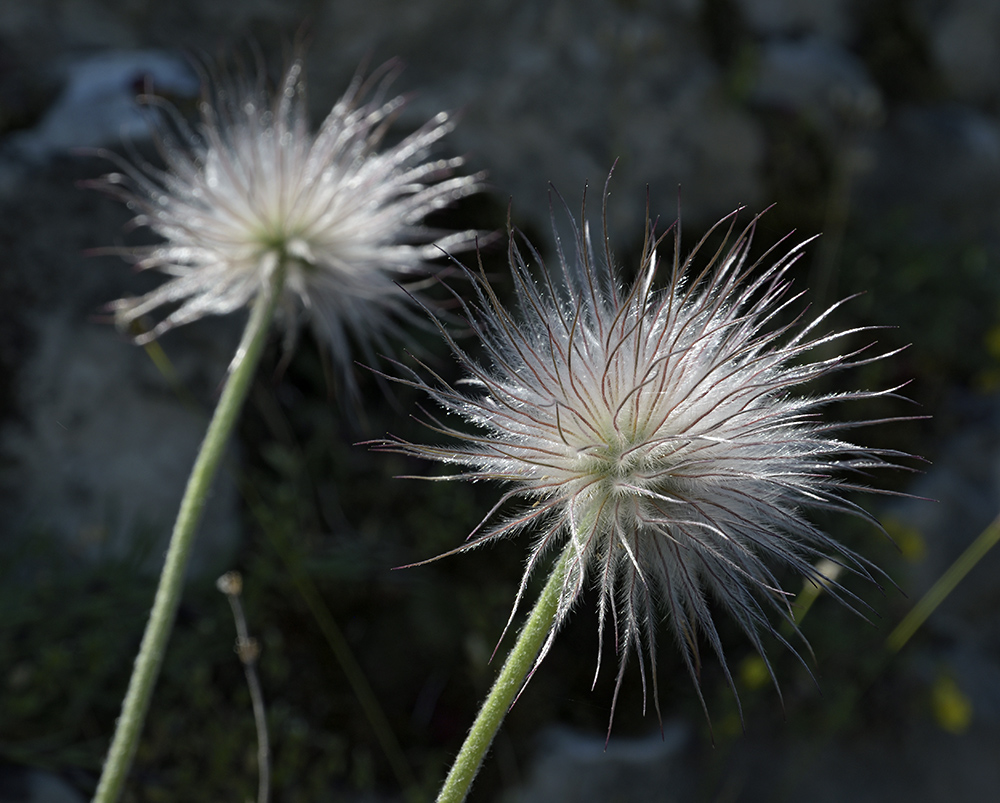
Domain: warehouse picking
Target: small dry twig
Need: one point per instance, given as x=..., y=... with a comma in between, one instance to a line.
x=248, y=649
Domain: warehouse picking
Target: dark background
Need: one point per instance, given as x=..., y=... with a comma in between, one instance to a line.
x=875, y=123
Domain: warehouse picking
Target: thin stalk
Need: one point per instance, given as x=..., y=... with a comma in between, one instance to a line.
x=505, y=689
x=168, y=593
x=325, y=620
x=248, y=649
x=352, y=670
x=314, y=600
x=945, y=584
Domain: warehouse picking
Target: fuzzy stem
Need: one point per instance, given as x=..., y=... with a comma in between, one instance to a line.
x=168, y=593
x=505, y=689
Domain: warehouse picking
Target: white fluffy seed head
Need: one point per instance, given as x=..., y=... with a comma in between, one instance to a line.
x=252, y=185
x=656, y=432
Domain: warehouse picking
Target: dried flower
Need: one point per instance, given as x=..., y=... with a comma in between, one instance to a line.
x=657, y=433
x=252, y=186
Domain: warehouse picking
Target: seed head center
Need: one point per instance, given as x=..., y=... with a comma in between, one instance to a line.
x=615, y=461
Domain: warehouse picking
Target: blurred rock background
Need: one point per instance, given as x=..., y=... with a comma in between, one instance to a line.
x=876, y=122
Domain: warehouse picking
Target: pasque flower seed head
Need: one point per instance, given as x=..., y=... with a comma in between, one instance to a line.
x=251, y=186
x=656, y=432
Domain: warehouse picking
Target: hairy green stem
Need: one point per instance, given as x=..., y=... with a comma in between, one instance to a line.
x=168, y=593
x=506, y=687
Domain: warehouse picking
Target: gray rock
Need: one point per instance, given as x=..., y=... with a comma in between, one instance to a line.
x=97, y=443
x=42, y=30
x=940, y=165
x=22, y=785
x=916, y=762
x=831, y=18
x=817, y=77
x=572, y=767
x=104, y=445
x=558, y=92
x=756, y=767
x=548, y=92
x=965, y=40
x=98, y=107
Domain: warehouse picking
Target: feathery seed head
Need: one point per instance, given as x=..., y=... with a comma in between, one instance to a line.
x=252, y=186
x=657, y=433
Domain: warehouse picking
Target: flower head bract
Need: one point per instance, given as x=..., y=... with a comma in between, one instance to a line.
x=251, y=186
x=655, y=433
